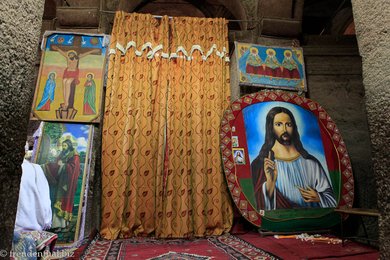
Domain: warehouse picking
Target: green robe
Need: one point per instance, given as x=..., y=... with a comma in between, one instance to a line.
x=89, y=97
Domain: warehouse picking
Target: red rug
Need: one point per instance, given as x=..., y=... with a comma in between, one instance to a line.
x=292, y=248
x=222, y=247
x=246, y=246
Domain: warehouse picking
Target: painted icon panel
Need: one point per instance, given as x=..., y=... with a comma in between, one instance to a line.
x=64, y=154
x=271, y=66
x=71, y=77
x=297, y=169
x=286, y=151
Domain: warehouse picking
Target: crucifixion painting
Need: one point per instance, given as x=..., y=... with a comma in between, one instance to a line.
x=64, y=91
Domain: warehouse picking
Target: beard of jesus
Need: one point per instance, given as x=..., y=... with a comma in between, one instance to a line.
x=64, y=152
x=284, y=139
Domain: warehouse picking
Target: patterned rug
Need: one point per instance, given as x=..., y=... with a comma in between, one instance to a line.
x=245, y=246
x=296, y=249
x=221, y=247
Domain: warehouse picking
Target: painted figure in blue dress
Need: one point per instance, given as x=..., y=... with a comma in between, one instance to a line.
x=48, y=93
x=284, y=174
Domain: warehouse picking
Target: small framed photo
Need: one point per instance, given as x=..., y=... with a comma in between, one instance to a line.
x=235, y=141
x=239, y=155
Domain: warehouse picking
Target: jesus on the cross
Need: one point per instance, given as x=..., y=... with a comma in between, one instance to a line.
x=71, y=73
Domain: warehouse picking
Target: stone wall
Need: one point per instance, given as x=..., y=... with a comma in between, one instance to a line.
x=334, y=78
x=372, y=19
x=20, y=25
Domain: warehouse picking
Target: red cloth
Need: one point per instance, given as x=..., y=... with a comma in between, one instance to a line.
x=72, y=75
x=259, y=70
x=88, y=110
x=276, y=72
x=45, y=107
x=68, y=176
x=290, y=74
x=73, y=172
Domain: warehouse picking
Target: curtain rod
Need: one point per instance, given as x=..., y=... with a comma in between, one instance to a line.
x=170, y=17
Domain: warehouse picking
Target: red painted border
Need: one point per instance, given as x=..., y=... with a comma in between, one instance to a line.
x=328, y=128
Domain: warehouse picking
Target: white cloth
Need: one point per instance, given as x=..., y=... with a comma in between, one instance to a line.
x=303, y=173
x=34, y=205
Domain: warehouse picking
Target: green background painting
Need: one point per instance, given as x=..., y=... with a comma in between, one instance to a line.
x=50, y=149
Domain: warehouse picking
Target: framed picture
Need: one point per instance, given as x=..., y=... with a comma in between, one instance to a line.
x=239, y=155
x=235, y=142
x=270, y=67
x=64, y=153
x=297, y=168
x=71, y=77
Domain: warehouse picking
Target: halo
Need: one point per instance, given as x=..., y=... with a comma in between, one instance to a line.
x=52, y=72
x=68, y=137
x=254, y=50
x=71, y=51
x=90, y=73
x=270, y=51
x=287, y=52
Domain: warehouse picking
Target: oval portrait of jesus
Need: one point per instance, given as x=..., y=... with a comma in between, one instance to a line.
x=296, y=168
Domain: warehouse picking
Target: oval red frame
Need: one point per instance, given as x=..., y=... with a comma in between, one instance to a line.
x=326, y=124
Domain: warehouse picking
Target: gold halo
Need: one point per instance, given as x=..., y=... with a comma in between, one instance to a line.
x=287, y=51
x=270, y=51
x=71, y=51
x=71, y=138
x=93, y=75
x=254, y=50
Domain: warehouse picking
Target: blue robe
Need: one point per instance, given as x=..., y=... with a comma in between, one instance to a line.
x=48, y=95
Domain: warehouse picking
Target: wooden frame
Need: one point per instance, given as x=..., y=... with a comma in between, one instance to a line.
x=71, y=77
x=270, y=66
x=67, y=174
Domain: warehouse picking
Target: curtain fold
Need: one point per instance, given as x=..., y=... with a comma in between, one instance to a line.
x=168, y=85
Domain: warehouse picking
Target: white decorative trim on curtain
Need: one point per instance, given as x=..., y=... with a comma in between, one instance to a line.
x=188, y=56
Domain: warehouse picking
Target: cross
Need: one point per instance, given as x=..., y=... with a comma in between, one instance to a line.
x=70, y=79
x=76, y=46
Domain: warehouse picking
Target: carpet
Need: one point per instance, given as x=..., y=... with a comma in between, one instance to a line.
x=292, y=248
x=221, y=247
x=245, y=246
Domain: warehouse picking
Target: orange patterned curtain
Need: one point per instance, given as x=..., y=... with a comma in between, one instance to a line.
x=196, y=200
x=168, y=85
